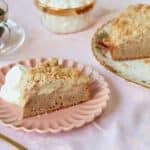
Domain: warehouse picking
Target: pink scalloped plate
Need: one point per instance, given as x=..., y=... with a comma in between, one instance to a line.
x=62, y=120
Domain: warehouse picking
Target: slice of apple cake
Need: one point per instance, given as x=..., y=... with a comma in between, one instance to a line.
x=50, y=86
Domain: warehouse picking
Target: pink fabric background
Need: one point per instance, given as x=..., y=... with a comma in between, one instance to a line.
x=125, y=124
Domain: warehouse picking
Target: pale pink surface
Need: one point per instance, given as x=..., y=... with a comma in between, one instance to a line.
x=62, y=120
x=124, y=125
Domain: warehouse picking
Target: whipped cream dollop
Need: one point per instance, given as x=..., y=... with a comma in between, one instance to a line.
x=63, y=4
x=11, y=90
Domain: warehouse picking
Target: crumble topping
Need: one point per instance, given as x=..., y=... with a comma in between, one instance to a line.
x=49, y=71
x=133, y=23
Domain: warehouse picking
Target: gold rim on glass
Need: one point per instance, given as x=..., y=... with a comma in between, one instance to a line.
x=64, y=12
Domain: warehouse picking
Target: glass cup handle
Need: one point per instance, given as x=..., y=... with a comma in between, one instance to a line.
x=4, y=32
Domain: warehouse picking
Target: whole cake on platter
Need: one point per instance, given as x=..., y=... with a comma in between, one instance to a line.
x=45, y=88
x=128, y=35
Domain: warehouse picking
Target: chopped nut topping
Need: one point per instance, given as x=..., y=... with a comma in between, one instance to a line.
x=48, y=71
x=134, y=22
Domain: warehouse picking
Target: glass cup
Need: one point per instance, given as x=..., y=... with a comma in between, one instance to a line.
x=71, y=19
x=11, y=35
x=4, y=29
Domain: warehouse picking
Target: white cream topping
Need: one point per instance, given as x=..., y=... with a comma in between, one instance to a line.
x=66, y=3
x=68, y=24
x=11, y=91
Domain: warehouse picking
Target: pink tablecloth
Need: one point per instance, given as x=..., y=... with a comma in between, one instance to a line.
x=125, y=123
